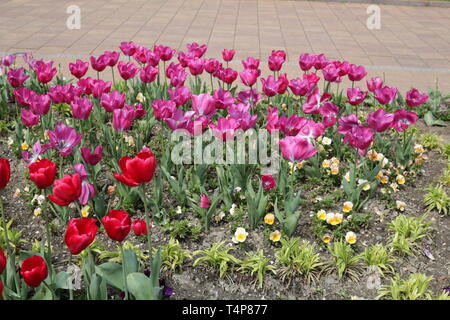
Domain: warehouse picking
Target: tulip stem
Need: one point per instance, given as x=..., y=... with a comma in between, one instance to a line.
x=51, y=290
x=147, y=221
x=47, y=228
x=124, y=276
x=5, y=232
x=70, y=284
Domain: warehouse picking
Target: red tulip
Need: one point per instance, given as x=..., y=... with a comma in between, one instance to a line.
x=5, y=172
x=34, y=270
x=137, y=170
x=117, y=224
x=140, y=227
x=268, y=182
x=1, y=290
x=80, y=233
x=2, y=262
x=66, y=190
x=42, y=173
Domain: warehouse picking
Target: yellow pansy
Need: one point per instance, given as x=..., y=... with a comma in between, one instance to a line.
x=334, y=218
x=240, y=235
x=326, y=238
x=275, y=236
x=347, y=207
x=384, y=179
x=326, y=163
x=25, y=146
x=322, y=215
x=326, y=141
x=400, y=205
x=269, y=218
x=347, y=176
x=85, y=211
x=37, y=212
x=372, y=155
x=400, y=179
x=350, y=237
x=418, y=148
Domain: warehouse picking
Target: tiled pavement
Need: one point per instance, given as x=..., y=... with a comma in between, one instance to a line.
x=412, y=48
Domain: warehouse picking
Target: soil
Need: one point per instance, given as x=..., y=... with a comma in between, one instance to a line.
x=200, y=283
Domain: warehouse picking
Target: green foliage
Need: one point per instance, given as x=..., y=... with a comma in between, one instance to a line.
x=116, y=256
x=437, y=198
x=13, y=234
x=416, y=287
x=445, y=178
x=344, y=261
x=408, y=233
x=256, y=204
x=431, y=141
x=298, y=258
x=173, y=256
x=256, y=263
x=182, y=229
x=288, y=219
x=378, y=255
x=216, y=258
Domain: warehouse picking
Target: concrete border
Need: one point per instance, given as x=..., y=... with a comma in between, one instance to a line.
x=414, y=3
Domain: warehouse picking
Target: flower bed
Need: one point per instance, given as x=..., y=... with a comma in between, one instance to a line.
x=135, y=187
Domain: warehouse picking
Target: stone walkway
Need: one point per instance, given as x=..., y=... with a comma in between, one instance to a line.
x=412, y=48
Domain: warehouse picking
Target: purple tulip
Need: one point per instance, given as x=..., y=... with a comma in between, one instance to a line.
x=346, y=124
x=45, y=71
x=224, y=98
x=99, y=87
x=329, y=112
x=40, y=104
x=356, y=96
x=314, y=101
x=112, y=101
x=386, y=95
x=92, y=158
x=81, y=108
x=414, y=98
x=251, y=63
x=225, y=129
x=179, y=95
x=179, y=119
x=320, y=62
x=227, y=55
x=128, y=48
x=374, y=84
x=356, y=73
x=380, y=120
x=123, y=118
x=79, y=68
x=297, y=148
x=360, y=138
x=163, y=109
x=275, y=62
x=148, y=74
x=62, y=94
x=249, y=76
x=8, y=60
x=196, y=49
x=166, y=53
x=301, y=87
x=111, y=58
x=249, y=96
x=23, y=96
x=272, y=120
x=29, y=119
x=16, y=77
x=228, y=75
x=37, y=151
x=211, y=65
x=196, y=66
x=403, y=119
x=203, y=104
x=99, y=64
x=306, y=61
x=64, y=139
x=331, y=73
x=127, y=70
x=87, y=188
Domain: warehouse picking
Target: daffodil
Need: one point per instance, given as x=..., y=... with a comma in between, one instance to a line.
x=350, y=237
x=347, y=207
x=322, y=215
x=240, y=235
x=400, y=205
x=269, y=218
x=400, y=179
x=275, y=236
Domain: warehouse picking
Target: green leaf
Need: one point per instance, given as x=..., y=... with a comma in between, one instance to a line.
x=131, y=261
x=43, y=293
x=62, y=280
x=429, y=119
x=140, y=286
x=97, y=288
x=112, y=273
